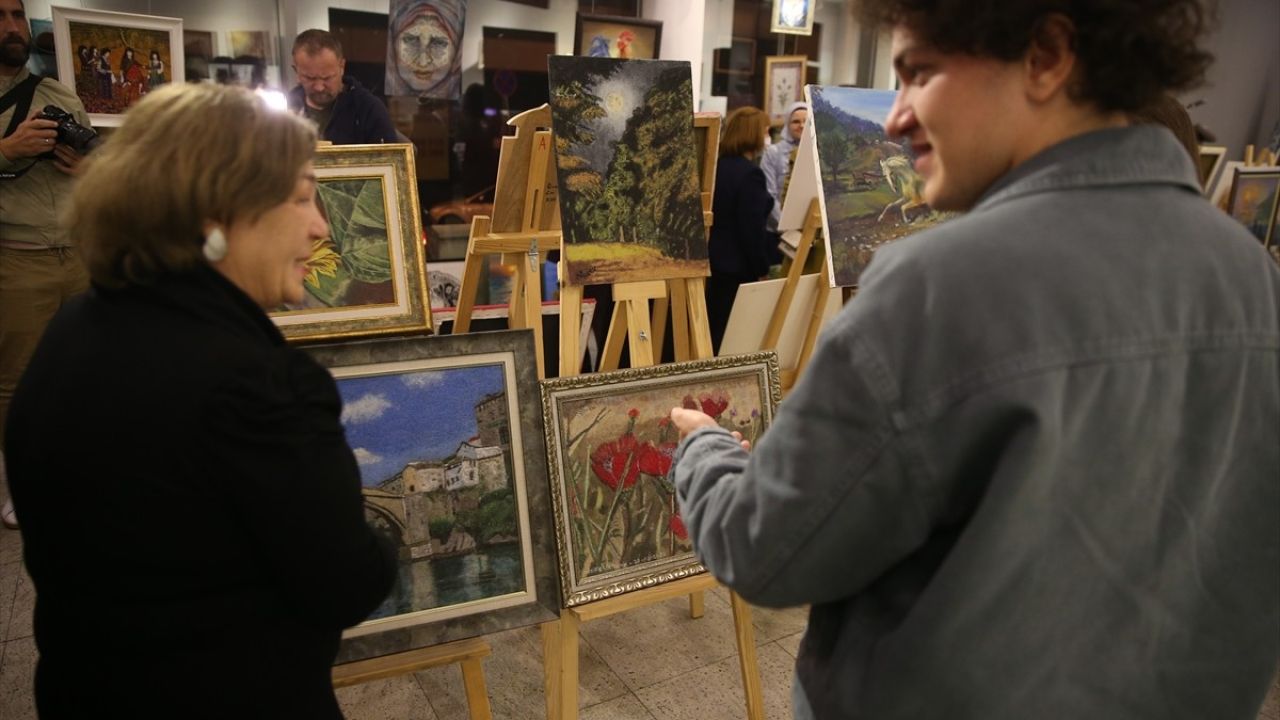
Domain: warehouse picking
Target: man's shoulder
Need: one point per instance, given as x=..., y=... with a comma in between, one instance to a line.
x=55, y=93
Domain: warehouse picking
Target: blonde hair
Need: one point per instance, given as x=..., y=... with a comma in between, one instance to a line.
x=744, y=131
x=186, y=154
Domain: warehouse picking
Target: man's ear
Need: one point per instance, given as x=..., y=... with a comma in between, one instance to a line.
x=1050, y=62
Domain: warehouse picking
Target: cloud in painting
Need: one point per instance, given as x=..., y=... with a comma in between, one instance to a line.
x=423, y=380
x=366, y=457
x=369, y=407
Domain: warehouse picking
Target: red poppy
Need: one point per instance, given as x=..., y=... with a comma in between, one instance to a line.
x=633, y=413
x=612, y=460
x=655, y=460
x=688, y=404
x=677, y=527
x=714, y=404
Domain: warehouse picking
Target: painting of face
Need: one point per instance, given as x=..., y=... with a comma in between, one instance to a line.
x=424, y=55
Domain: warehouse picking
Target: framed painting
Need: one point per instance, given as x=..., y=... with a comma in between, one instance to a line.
x=630, y=206
x=1211, y=159
x=610, y=445
x=870, y=193
x=112, y=59
x=448, y=437
x=621, y=38
x=250, y=44
x=369, y=276
x=792, y=17
x=737, y=59
x=43, y=59
x=1255, y=195
x=424, y=53
x=783, y=85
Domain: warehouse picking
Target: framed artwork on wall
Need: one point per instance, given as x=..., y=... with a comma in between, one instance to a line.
x=112, y=59
x=783, y=85
x=447, y=432
x=424, y=48
x=1254, y=200
x=610, y=444
x=624, y=38
x=792, y=17
x=369, y=276
x=737, y=59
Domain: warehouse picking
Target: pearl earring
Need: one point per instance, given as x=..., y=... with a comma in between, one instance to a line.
x=215, y=245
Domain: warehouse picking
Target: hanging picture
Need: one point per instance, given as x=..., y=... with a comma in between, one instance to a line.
x=424, y=52
x=1255, y=195
x=871, y=193
x=630, y=202
x=368, y=276
x=112, y=59
x=448, y=437
x=783, y=85
x=43, y=60
x=610, y=443
x=792, y=17
x=621, y=38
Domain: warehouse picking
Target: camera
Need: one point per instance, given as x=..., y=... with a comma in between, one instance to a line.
x=70, y=133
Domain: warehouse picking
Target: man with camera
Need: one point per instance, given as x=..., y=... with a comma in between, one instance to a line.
x=39, y=268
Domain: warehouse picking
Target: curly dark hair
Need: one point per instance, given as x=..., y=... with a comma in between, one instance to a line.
x=1130, y=51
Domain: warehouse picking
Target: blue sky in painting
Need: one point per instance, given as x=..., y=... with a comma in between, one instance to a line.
x=392, y=420
x=867, y=104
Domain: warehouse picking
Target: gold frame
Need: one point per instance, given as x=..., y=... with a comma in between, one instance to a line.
x=1266, y=173
x=770, y=63
x=763, y=366
x=410, y=313
x=775, y=24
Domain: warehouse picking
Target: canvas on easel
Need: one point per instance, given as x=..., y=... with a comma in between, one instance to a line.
x=745, y=333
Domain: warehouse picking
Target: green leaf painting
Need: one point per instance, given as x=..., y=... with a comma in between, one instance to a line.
x=353, y=267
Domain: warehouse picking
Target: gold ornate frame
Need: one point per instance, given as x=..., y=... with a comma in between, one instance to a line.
x=805, y=28
x=772, y=64
x=607, y=402
x=410, y=310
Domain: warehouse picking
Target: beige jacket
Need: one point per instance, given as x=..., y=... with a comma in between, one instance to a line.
x=31, y=205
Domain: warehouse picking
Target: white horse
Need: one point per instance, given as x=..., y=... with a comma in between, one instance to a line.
x=902, y=179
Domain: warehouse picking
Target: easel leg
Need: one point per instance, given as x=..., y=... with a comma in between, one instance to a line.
x=639, y=334
x=747, y=657
x=515, y=315
x=697, y=604
x=612, y=352
x=470, y=276
x=477, y=695
x=815, y=321
x=679, y=319
x=531, y=268
x=699, y=328
x=568, y=665
x=570, y=330
x=552, y=667
x=658, y=321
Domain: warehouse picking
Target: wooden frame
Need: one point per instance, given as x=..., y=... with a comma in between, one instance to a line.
x=74, y=27
x=646, y=35
x=1211, y=159
x=354, y=289
x=1256, y=213
x=489, y=570
x=783, y=85
x=610, y=447
x=792, y=17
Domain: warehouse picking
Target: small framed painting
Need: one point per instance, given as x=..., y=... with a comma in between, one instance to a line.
x=369, y=276
x=112, y=59
x=622, y=38
x=1211, y=159
x=1255, y=197
x=783, y=85
x=610, y=444
x=792, y=17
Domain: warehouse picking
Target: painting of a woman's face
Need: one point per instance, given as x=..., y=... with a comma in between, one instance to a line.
x=425, y=51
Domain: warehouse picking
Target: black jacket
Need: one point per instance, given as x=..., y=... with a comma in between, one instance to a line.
x=359, y=118
x=191, y=512
x=740, y=246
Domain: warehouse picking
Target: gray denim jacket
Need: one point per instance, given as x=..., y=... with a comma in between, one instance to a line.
x=1033, y=469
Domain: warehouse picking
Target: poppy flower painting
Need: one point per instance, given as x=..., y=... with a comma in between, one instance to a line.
x=612, y=446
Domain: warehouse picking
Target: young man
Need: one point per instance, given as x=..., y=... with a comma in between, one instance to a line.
x=343, y=111
x=1032, y=469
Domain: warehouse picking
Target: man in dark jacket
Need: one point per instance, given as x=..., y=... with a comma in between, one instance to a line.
x=344, y=112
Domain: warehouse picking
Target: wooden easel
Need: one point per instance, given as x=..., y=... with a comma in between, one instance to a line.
x=467, y=652
x=524, y=227
x=809, y=231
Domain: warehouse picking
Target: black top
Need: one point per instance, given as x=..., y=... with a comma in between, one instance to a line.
x=358, y=117
x=740, y=246
x=191, y=512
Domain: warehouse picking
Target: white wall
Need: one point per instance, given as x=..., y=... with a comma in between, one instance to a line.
x=682, y=39
x=218, y=17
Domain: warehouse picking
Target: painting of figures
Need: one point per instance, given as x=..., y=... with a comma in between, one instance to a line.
x=424, y=54
x=112, y=59
x=622, y=38
x=871, y=194
x=610, y=441
x=626, y=162
x=447, y=437
x=1254, y=197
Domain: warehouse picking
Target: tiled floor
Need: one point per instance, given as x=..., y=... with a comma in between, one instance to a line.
x=654, y=663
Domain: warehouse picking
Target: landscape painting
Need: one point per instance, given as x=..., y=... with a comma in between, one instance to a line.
x=627, y=168
x=610, y=441
x=441, y=432
x=871, y=194
x=1254, y=199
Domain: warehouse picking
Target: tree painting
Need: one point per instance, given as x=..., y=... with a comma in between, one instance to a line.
x=870, y=192
x=630, y=199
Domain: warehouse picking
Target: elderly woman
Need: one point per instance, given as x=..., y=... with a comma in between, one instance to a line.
x=191, y=511
x=778, y=159
x=740, y=248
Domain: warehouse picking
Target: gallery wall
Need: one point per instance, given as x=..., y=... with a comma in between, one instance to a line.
x=1242, y=99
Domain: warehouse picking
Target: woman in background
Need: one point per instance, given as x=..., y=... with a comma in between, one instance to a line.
x=191, y=512
x=778, y=159
x=740, y=248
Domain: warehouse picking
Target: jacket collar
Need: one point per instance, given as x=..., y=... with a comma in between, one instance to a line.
x=1137, y=155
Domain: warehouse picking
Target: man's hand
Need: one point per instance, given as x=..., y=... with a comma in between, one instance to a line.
x=33, y=137
x=686, y=421
x=66, y=159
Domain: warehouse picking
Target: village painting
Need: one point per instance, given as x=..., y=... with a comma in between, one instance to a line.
x=436, y=465
x=871, y=194
x=626, y=164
